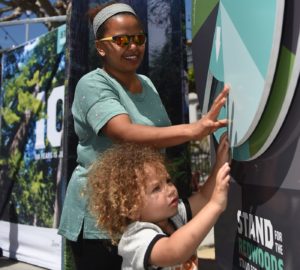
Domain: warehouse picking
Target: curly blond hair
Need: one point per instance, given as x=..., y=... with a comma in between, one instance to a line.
x=115, y=184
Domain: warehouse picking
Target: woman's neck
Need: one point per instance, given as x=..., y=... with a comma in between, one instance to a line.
x=130, y=81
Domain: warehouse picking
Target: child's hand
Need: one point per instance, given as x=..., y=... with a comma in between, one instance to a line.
x=223, y=153
x=209, y=122
x=220, y=193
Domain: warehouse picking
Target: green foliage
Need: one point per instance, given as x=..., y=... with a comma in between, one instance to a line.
x=9, y=116
x=28, y=102
x=26, y=73
x=191, y=80
x=14, y=162
x=3, y=161
x=32, y=197
x=68, y=257
x=191, y=74
x=35, y=80
x=180, y=172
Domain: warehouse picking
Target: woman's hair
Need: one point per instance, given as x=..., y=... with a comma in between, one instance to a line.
x=92, y=12
x=116, y=181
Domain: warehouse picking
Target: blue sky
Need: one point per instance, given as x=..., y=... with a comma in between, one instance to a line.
x=188, y=18
x=16, y=34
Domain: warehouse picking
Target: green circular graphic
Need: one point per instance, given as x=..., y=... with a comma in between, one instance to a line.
x=247, y=50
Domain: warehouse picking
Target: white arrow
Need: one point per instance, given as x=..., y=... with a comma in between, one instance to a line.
x=218, y=41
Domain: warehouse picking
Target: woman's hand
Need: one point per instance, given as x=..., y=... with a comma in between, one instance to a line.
x=209, y=122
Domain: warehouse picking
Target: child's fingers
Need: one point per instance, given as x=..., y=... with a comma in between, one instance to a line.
x=223, y=137
x=223, y=148
x=224, y=173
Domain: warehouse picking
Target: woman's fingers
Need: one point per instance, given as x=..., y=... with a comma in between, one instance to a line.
x=218, y=103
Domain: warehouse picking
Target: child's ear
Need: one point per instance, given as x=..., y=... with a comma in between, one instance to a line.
x=134, y=215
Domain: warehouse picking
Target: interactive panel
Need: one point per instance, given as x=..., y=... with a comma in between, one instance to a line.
x=248, y=48
x=282, y=91
x=259, y=226
x=244, y=55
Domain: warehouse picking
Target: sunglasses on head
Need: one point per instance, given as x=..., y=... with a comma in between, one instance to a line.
x=125, y=40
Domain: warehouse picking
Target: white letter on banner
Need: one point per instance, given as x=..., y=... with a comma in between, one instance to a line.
x=269, y=234
x=53, y=135
x=240, y=225
x=40, y=127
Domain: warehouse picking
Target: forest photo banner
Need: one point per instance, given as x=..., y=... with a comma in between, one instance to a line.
x=31, y=152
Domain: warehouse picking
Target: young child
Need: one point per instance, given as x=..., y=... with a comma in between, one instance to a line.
x=134, y=199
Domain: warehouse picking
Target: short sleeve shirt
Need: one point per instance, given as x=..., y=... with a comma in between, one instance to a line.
x=139, y=238
x=99, y=97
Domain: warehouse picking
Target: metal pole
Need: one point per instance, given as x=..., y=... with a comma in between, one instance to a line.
x=61, y=18
x=28, y=13
x=26, y=32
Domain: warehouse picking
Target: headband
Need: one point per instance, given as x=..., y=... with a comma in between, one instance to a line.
x=108, y=12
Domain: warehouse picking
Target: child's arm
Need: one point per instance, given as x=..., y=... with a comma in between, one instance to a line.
x=202, y=196
x=181, y=245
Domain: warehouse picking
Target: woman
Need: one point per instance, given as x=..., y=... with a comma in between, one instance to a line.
x=115, y=104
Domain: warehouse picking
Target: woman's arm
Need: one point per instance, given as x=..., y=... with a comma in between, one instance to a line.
x=120, y=128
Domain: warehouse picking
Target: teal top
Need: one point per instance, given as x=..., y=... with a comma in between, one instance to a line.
x=98, y=98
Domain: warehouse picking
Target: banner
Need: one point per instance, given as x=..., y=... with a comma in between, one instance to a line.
x=254, y=46
x=31, y=152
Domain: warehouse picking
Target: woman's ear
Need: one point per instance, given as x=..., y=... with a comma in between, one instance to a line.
x=100, y=49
